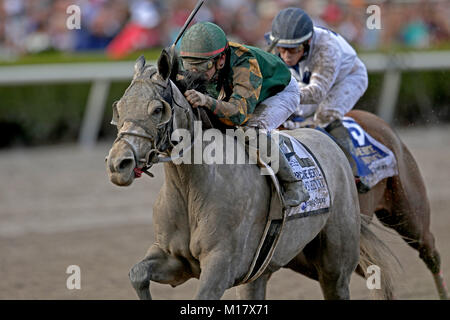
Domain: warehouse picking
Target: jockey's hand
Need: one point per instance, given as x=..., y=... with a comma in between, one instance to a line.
x=195, y=98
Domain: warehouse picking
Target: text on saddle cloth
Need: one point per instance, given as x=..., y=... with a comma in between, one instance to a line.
x=306, y=168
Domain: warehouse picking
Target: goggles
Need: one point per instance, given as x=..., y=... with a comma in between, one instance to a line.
x=197, y=65
x=295, y=50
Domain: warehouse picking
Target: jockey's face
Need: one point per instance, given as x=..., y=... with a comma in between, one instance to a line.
x=220, y=63
x=291, y=56
x=209, y=68
x=211, y=72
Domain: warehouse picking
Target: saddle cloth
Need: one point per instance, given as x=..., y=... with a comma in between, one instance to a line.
x=307, y=168
x=374, y=161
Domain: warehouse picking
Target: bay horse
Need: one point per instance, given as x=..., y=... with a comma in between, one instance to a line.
x=401, y=202
x=209, y=218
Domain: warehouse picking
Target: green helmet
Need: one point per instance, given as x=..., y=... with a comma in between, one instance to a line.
x=204, y=40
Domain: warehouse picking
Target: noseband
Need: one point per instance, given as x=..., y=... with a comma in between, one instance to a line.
x=156, y=148
x=164, y=131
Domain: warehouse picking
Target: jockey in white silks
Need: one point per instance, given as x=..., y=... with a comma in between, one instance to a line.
x=330, y=75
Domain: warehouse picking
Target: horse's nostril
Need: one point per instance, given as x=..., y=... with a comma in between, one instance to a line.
x=125, y=163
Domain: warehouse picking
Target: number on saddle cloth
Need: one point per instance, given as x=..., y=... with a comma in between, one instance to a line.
x=374, y=160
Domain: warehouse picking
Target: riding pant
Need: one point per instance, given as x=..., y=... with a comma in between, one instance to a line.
x=273, y=111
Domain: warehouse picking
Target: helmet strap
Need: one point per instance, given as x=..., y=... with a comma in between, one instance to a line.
x=216, y=75
x=306, y=48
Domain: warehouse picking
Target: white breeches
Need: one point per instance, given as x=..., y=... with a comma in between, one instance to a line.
x=272, y=112
x=343, y=96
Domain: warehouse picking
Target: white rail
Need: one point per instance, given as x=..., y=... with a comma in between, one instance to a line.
x=101, y=74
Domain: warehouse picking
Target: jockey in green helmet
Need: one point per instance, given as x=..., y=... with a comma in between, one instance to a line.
x=243, y=76
x=247, y=87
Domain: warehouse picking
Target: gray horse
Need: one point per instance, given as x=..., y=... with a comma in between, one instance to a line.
x=209, y=218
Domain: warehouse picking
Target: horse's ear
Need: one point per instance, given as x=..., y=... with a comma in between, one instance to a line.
x=175, y=66
x=115, y=114
x=165, y=64
x=167, y=114
x=139, y=65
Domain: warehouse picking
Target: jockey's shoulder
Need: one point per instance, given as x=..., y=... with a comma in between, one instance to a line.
x=325, y=32
x=331, y=43
x=324, y=37
x=256, y=58
x=240, y=51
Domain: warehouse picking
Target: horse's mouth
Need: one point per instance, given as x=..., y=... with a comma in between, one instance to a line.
x=120, y=181
x=121, y=168
x=122, y=178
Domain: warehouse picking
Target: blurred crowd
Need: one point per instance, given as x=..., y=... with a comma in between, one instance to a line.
x=122, y=26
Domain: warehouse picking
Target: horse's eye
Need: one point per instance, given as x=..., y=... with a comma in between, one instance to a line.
x=158, y=110
x=155, y=107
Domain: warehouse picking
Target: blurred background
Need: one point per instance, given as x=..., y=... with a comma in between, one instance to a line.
x=57, y=206
x=35, y=33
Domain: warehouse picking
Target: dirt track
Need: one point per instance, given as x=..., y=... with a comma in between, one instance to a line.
x=58, y=208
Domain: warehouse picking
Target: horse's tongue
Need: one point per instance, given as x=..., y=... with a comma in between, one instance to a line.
x=137, y=172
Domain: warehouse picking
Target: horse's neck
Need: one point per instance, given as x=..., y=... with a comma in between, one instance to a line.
x=183, y=117
x=197, y=166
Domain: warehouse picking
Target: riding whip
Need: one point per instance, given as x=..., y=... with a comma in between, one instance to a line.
x=273, y=44
x=188, y=21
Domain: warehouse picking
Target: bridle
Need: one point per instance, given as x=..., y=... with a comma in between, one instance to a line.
x=159, y=147
x=144, y=164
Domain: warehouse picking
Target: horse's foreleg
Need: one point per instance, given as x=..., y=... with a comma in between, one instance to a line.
x=156, y=266
x=216, y=276
x=255, y=290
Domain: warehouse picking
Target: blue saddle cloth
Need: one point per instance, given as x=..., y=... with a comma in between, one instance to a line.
x=374, y=161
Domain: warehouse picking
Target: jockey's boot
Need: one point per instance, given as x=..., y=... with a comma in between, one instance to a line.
x=344, y=141
x=294, y=191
